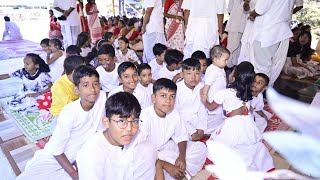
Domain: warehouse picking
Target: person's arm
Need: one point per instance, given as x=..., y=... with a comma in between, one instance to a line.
x=253, y=15
x=67, y=166
x=41, y=92
x=4, y=76
x=59, y=9
x=186, y=15
x=181, y=160
x=55, y=56
x=220, y=24
x=205, y=90
x=246, y=5
x=67, y=13
x=262, y=114
x=146, y=19
x=176, y=77
x=296, y=9
x=174, y=171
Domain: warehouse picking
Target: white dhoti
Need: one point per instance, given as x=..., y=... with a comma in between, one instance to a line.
x=195, y=156
x=70, y=34
x=214, y=122
x=149, y=40
x=261, y=122
x=234, y=47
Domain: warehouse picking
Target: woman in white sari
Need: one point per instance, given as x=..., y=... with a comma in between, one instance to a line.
x=93, y=20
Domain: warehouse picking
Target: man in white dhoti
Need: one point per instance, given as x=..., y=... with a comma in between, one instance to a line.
x=152, y=28
x=204, y=20
x=120, y=152
x=69, y=21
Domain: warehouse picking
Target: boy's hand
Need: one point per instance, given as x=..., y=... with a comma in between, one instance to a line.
x=174, y=171
x=181, y=162
x=33, y=95
x=203, y=96
x=201, y=133
x=195, y=136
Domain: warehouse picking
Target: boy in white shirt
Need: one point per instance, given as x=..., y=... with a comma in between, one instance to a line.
x=145, y=78
x=76, y=123
x=188, y=101
x=201, y=56
x=156, y=64
x=215, y=80
x=107, y=70
x=172, y=70
x=177, y=157
x=121, y=151
x=128, y=77
x=261, y=116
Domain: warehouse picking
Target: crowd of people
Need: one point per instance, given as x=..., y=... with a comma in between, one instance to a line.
x=120, y=114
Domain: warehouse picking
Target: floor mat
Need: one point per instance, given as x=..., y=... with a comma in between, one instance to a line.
x=19, y=48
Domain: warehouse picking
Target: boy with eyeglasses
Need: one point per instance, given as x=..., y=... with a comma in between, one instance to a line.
x=121, y=151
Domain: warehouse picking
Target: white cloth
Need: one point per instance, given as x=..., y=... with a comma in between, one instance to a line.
x=234, y=46
x=165, y=73
x=85, y=51
x=166, y=133
x=139, y=93
x=149, y=40
x=257, y=104
x=125, y=58
x=56, y=68
x=148, y=89
x=74, y=127
x=190, y=107
x=11, y=32
x=155, y=67
x=108, y=80
x=100, y=160
x=73, y=19
x=156, y=19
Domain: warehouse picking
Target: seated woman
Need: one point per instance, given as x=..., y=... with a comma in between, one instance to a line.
x=12, y=31
x=135, y=38
x=124, y=31
x=298, y=57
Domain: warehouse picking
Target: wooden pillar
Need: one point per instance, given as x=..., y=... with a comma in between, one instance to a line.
x=113, y=8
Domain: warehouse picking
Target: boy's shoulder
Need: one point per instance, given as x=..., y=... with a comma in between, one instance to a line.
x=116, y=90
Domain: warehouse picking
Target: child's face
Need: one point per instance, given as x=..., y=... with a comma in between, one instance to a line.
x=161, y=57
x=304, y=39
x=29, y=65
x=191, y=78
x=112, y=39
x=163, y=100
x=129, y=79
x=107, y=62
x=52, y=47
x=45, y=47
x=122, y=45
x=145, y=77
x=259, y=84
x=222, y=61
x=177, y=66
x=203, y=65
x=120, y=136
x=88, y=89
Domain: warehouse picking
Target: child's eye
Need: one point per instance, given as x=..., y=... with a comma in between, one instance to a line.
x=172, y=97
x=163, y=95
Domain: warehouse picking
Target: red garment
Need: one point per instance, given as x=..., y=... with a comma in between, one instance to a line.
x=45, y=101
x=83, y=20
x=116, y=30
x=167, y=5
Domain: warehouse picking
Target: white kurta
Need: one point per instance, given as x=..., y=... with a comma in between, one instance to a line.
x=74, y=127
x=166, y=133
x=108, y=80
x=56, y=68
x=148, y=89
x=165, y=73
x=190, y=107
x=100, y=160
x=257, y=104
x=155, y=67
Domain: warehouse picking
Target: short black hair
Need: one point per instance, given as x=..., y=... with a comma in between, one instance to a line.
x=124, y=39
x=107, y=49
x=191, y=64
x=107, y=35
x=142, y=67
x=72, y=62
x=217, y=51
x=173, y=56
x=124, y=66
x=265, y=77
x=82, y=39
x=84, y=71
x=158, y=49
x=73, y=50
x=6, y=18
x=198, y=55
x=164, y=83
x=45, y=41
x=123, y=104
x=57, y=42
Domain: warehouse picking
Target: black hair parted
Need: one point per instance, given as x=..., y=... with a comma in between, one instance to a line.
x=124, y=39
x=57, y=43
x=36, y=59
x=244, y=76
x=72, y=62
x=173, y=56
x=123, y=104
x=198, y=55
x=73, y=50
x=84, y=71
x=191, y=64
x=82, y=39
x=217, y=51
x=265, y=77
x=158, y=49
x=107, y=49
x=124, y=66
x=107, y=36
x=45, y=41
x=164, y=83
x=142, y=67
x=6, y=18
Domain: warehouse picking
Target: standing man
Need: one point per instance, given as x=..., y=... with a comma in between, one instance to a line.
x=152, y=28
x=204, y=21
x=69, y=20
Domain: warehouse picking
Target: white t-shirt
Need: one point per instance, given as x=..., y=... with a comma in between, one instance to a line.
x=73, y=19
x=125, y=58
x=257, y=102
x=165, y=73
x=108, y=80
x=56, y=68
x=156, y=23
x=148, y=89
x=155, y=67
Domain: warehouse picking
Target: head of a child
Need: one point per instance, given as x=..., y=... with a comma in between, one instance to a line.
x=106, y=57
x=100, y=43
x=6, y=18
x=159, y=50
x=242, y=80
x=260, y=83
x=191, y=72
x=55, y=45
x=110, y=22
x=201, y=56
x=71, y=63
x=173, y=58
x=219, y=56
x=33, y=63
x=305, y=38
x=296, y=31
x=73, y=50
x=122, y=118
x=123, y=43
x=45, y=44
x=121, y=24
x=109, y=37
x=83, y=40
x=164, y=95
x=144, y=73
x=128, y=76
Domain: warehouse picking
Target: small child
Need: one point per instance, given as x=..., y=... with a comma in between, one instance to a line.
x=55, y=59
x=188, y=101
x=261, y=116
x=201, y=56
x=172, y=70
x=124, y=54
x=36, y=82
x=84, y=42
x=92, y=57
x=161, y=123
x=215, y=80
x=76, y=123
x=159, y=50
x=121, y=151
x=108, y=68
x=109, y=37
x=145, y=78
x=128, y=77
x=45, y=47
x=73, y=50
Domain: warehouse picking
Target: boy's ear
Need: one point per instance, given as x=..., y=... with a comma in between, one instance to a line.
x=76, y=90
x=120, y=80
x=153, y=97
x=265, y=88
x=106, y=122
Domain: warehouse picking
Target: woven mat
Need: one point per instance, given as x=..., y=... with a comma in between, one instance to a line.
x=19, y=48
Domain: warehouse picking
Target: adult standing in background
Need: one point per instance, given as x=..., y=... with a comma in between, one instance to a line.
x=69, y=20
x=12, y=30
x=93, y=21
x=83, y=21
x=152, y=28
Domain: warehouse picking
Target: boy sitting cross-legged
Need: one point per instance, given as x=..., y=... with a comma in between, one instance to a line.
x=161, y=123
